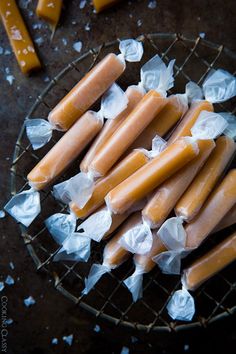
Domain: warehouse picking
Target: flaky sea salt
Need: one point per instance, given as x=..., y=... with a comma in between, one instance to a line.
x=29, y=301
x=2, y=286
x=2, y=214
x=82, y=4
x=68, y=339
x=9, y=280
x=97, y=328
x=124, y=350
x=152, y=4
x=77, y=46
x=10, y=79
x=54, y=341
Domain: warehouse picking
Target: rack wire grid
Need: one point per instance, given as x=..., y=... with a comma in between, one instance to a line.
x=110, y=299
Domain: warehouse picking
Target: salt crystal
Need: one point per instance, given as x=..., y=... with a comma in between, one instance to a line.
x=15, y=34
x=97, y=328
x=9, y=280
x=46, y=79
x=124, y=350
x=39, y=40
x=152, y=4
x=50, y=4
x=2, y=214
x=37, y=25
x=8, y=321
x=77, y=46
x=68, y=339
x=22, y=63
x=186, y=347
x=130, y=16
x=7, y=52
x=87, y=27
x=139, y=23
x=10, y=79
x=64, y=41
x=82, y=4
x=1, y=286
x=54, y=341
x=1, y=50
x=29, y=301
x=11, y=264
x=202, y=34
x=74, y=22
x=30, y=13
x=7, y=70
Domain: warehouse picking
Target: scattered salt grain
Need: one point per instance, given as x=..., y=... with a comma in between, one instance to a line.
x=68, y=339
x=54, y=341
x=39, y=40
x=139, y=23
x=1, y=286
x=87, y=27
x=152, y=4
x=73, y=22
x=82, y=4
x=2, y=214
x=186, y=347
x=97, y=328
x=9, y=280
x=37, y=25
x=64, y=41
x=8, y=321
x=10, y=79
x=7, y=52
x=202, y=34
x=12, y=266
x=77, y=46
x=46, y=79
x=124, y=350
x=29, y=301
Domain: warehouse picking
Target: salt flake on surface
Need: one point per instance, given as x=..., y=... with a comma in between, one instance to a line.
x=15, y=34
x=7, y=52
x=2, y=214
x=87, y=27
x=39, y=40
x=64, y=41
x=1, y=286
x=9, y=280
x=82, y=4
x=29, y=301
x=54, y=341
x=11, y=264
x=139, y=23
x=77, y=46
x=97, y=328
x=124, y=350
x=8, y=321
x=10, y=79
x=202, y=35
x=68, y=339
x=152, y=4
x=50, y=4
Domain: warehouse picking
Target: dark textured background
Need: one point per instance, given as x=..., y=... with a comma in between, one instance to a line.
x=53, y=315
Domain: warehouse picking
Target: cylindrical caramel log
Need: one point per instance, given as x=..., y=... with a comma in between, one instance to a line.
x=151, y=175
x=185, y=125
x=167, y=195
x=128, y=131
x=211, y=263
x=65, y=151
x=119, y=173
x=101, y=5
x=228, y=220
x=134, y=95
x=86, y=92
x=162, y=123
x=221, y=200
x=195, y=196
x=19, y=37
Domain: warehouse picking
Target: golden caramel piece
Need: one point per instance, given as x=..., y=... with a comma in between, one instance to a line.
x=146, y=110
x=228, y=220
x=211, y=263
x=167, y=195
x=119, y=173
x=65, y=151
x=50, y=11
x=86, y=92
x=162, y=123
x=195, y=196
x=151, y=175
x=221, y=200
x=134, y=95
x=189, y=119
x=19, y=37
x=101, y=5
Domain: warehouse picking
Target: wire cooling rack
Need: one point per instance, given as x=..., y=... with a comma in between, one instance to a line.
x=110, y=299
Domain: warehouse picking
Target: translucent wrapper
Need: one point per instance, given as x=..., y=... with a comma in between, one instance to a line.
x=181, y=305
x=84, y=94
x=80, y=188
x=113, y=256
x=113, y=102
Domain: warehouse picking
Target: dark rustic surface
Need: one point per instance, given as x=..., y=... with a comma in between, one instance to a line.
x=52, y=315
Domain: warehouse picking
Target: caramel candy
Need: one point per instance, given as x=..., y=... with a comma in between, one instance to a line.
x=50, y=11
x=167, y=195
x=65, y=151
x=19, y=37
x=101, y=5
x=211, y=263
x=195, y=196
x=151, y=175
x=221, y=200
x=228, y=220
